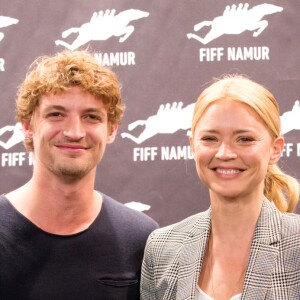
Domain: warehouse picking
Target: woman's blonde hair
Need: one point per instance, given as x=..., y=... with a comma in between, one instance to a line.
x=279, y=187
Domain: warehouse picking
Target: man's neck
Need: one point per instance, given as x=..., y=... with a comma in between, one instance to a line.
x=56, y=207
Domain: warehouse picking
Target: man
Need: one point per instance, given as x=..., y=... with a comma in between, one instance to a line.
x=59, y=238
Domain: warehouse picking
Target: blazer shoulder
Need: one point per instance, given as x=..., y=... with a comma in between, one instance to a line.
x=180, y=230
x=290, y=224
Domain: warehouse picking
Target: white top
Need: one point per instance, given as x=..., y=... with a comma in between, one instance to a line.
x=200, y=295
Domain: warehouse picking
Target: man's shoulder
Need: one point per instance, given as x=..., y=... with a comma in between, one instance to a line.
x=5, y=206
x=3, y=199
x=126, y=216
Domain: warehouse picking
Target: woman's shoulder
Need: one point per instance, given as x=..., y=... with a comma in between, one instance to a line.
x=187, y=226
x=287, y=221
x=291, y=223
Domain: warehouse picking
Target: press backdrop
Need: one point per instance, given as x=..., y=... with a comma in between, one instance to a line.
x=164, y=53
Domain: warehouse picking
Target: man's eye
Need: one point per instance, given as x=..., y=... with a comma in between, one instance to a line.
x=54, y=115
x=93, y=117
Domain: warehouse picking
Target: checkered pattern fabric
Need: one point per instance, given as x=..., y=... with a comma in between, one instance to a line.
x=174, y=255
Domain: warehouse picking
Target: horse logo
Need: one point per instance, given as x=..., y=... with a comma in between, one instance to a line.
x=171, y=118
x=168, y=119
x=16, y=137
x=235, y=20
x=5, y=22
x=102, y=26
x=290, y=120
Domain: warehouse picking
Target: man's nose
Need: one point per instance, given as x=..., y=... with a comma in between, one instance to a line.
x=74, y=128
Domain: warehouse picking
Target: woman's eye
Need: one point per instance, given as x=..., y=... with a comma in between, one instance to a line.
x=208, y=138
x=246, y=139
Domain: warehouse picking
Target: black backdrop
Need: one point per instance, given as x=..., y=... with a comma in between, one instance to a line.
x=153, y=47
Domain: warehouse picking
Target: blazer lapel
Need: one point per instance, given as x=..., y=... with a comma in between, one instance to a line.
x=263, y=253
x=191, y=257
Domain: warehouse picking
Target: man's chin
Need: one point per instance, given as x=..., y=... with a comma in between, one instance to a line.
x=70, y=173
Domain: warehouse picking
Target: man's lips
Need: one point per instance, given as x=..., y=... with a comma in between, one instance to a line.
x=70, y=147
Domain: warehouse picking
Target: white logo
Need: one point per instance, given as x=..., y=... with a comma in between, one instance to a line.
x=138, y=206
x=235, y=20
x=290, y=120
x=6, y=21
x=102, y=26
x=170, y=119
x=16, y=137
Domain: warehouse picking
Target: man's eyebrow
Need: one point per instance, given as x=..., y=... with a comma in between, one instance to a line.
x=62, y=108
x=57, y=107
x=94, y=110
x=100, y=112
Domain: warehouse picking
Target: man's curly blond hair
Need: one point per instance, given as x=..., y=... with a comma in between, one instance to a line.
x=58, y=73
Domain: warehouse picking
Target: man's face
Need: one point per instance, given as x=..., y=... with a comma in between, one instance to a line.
x=70, y=131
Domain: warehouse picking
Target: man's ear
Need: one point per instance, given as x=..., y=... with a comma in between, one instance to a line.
x=276, y=150
x=112, y=132
x=26, y=125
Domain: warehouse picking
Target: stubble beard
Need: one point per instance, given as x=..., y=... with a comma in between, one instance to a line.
x=69, y=171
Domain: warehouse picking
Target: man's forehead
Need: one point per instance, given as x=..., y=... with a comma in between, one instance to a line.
x=74, y=97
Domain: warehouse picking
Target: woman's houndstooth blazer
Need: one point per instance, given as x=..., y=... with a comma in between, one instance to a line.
x=174, y=254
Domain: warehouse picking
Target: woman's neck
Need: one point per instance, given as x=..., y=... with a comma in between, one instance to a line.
x=232, y=219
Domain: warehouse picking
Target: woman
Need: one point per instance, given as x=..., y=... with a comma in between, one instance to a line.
x=246, y=246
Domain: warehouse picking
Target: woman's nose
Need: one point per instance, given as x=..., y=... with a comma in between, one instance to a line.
x=225, y=152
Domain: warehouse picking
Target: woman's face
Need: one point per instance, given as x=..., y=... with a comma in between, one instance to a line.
x=233, y=149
